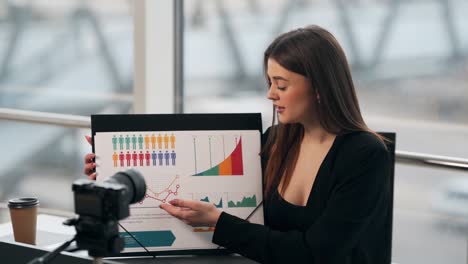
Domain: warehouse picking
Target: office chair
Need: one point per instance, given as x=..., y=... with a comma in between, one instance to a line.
x=391, y=137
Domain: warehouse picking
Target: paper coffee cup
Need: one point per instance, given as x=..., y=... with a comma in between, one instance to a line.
x=23, y=213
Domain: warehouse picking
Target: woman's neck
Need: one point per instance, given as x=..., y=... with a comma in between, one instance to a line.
x=316, y=134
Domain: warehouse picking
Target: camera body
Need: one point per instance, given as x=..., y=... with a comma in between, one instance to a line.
x=100, y=206
x=105, y=201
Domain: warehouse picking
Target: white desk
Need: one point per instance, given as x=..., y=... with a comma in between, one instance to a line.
x=51, y=234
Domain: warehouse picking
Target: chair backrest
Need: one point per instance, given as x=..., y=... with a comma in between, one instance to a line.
x=391, y=137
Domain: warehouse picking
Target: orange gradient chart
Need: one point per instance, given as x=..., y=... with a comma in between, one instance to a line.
x=231, y=166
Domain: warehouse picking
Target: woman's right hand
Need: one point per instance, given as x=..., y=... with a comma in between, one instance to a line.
x=89, y=162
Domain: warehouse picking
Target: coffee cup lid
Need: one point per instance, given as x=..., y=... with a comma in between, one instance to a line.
x=25, y=202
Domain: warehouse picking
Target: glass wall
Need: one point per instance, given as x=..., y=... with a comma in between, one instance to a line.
x=68, y=57
x=409, y=63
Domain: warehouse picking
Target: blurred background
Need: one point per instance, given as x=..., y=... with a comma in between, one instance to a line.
x=409, y=63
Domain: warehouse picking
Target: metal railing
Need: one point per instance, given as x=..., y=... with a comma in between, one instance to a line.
x=432, y=160
x=45, y=118
x=407, y=157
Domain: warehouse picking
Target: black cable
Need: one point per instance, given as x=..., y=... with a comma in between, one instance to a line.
x=72, y=249
x=254, y=210
x=147, y=251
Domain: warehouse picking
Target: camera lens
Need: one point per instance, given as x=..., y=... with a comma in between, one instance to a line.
x=134, y=182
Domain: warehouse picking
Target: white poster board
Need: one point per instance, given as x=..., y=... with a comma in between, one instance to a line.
x=221, y=167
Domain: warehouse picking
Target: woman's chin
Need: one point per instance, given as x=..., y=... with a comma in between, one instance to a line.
x=283, y=120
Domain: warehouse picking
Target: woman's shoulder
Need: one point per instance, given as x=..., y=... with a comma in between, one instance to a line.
x=360, y=150
x=361, y=142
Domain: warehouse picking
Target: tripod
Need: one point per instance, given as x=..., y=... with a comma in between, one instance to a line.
x=47, y=258
x=51, y=255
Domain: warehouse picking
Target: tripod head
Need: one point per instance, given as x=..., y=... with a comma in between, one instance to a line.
x=100, y=238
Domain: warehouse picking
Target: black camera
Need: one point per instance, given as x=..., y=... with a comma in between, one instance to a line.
x=110, y=199
x=100, y=206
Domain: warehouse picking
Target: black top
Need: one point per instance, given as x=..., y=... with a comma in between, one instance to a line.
x=344, y=220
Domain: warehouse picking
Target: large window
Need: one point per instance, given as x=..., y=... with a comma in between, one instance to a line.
x=409, y=64
x=67, y=57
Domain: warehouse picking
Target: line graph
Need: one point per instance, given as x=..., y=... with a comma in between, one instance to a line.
x=152, y=196
x=168, y=191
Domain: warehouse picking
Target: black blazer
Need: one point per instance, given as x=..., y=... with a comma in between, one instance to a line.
x=343, y=221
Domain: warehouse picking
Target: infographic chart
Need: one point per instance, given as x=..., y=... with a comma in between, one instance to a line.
x=217, y=167
x=231, y=165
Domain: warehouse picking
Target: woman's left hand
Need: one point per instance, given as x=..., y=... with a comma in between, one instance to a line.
x=194, y=213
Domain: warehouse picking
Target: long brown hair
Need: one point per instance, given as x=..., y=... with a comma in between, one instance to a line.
x=314, y=53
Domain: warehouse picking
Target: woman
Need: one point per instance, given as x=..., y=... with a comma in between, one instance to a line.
x=327, y=197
